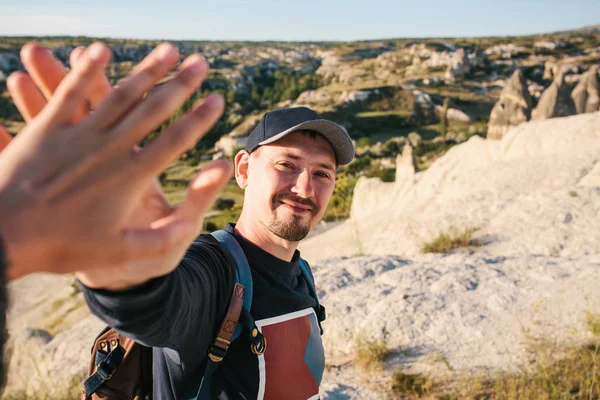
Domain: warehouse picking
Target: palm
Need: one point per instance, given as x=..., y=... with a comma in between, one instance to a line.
x=152, y=207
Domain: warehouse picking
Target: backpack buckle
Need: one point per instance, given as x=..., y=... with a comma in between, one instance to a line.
x=218, y=349
x=259, y=346
x=214, y=358
x=105, y=370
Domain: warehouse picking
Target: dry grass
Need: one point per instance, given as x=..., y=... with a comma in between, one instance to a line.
x=556, y=373
x=448, y=241
x=410, y=385
x=70, y=390
x=371, y=354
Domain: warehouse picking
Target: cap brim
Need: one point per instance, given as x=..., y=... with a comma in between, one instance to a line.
x=335, y=134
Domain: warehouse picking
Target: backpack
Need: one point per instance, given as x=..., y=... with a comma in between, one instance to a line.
x=121, y=369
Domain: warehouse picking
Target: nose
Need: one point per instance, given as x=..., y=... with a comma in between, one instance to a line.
x=304, y=186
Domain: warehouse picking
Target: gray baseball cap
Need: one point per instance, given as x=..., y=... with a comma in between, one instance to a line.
x=278, y=123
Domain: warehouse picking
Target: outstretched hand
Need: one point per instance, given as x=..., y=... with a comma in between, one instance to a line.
x=76, y=194
x=4, y=138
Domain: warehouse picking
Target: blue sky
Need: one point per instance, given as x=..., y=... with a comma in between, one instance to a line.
x=292, y=20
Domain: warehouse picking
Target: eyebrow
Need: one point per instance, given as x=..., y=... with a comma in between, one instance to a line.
x=322, y=165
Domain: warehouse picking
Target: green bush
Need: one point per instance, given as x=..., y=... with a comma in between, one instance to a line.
x=223, y=204
x=341, y=200
x=385, y=174
x=357, y=165
x=363, y=142
x=220, y=220
x=391, y=148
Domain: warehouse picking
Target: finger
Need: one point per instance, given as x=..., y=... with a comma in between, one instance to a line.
x=75, y=87
x=5, y=138
x=48, y=72
x=26, y=95
x=75, y=54
x=100, y=87
x=179, y=137
x=45, y=70
x=130, y=91
x=204, y=190
x=162, y=103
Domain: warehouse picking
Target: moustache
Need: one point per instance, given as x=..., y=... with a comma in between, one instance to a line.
x=296, y=199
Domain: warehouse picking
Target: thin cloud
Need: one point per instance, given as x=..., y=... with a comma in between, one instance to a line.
x=52, y=25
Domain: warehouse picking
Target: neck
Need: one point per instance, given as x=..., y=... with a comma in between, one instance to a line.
x=259, y=235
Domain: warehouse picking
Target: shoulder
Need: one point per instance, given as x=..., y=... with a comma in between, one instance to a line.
x=208, y=249
x=208, y=257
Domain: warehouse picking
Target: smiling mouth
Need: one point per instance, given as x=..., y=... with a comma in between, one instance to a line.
x=298, y=207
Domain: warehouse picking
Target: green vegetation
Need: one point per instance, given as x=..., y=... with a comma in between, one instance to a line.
x=272, y=88
x=219, y=221
x=251, y=84
x=341, y=200
x=223, y=211
x=448, y=241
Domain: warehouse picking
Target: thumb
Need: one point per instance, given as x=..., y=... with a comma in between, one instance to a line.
x=204, y=190
x=5, y=138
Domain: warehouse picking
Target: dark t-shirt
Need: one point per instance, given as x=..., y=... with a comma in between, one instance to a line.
x=179, y=315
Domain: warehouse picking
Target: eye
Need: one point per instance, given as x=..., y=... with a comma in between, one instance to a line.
x=286, y=165
x=322, y=175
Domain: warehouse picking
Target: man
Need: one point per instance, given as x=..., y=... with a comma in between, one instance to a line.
x=69, y=181
x=287, y=171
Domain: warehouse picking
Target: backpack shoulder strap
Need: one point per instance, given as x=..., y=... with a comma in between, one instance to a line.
x=238, y=316
x=243, y=275
x=310, y=280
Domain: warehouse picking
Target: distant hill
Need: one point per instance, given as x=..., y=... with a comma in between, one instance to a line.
x=583, y=29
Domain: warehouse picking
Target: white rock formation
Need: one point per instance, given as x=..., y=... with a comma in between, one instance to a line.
x=535, y=197
x=229, y=144
x=314, y=97
x=355, y=96
x=530, y=181
x=470, y=310
x=453, y=114
x=405, y=166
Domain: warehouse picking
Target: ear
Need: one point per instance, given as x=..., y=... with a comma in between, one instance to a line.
x=242, y=161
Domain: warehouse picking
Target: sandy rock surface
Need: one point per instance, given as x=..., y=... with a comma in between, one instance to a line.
x=534, y=200
x=51, y=333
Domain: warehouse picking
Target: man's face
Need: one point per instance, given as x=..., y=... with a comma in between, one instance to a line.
x=290, y=183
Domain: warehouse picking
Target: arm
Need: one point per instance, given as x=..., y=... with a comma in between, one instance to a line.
x=179, y=310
